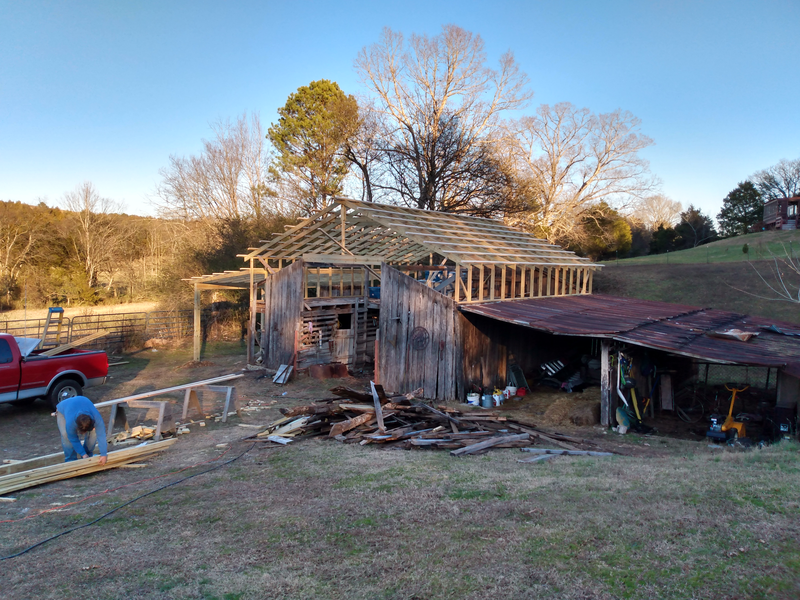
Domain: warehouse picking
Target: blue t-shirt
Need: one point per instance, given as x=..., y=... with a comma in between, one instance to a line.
x=81, y=405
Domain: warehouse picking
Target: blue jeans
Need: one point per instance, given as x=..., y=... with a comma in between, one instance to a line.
x=89, y=442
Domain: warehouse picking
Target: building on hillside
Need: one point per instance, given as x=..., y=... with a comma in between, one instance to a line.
x=781, y=213
x=450, y=303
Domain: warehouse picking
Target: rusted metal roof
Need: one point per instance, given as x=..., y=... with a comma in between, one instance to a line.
x=674, y=328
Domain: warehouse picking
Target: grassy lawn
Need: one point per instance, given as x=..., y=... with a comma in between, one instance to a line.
x=762, y=246
x=319, y=519
x=732, y=286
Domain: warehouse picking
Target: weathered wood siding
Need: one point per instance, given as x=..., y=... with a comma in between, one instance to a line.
x=435, y=366
x=485, y=353
x=283, y=303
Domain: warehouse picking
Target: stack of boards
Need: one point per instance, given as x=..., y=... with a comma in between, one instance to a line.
x=44, y=469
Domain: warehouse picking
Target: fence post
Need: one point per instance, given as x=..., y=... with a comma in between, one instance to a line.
x=197, y=330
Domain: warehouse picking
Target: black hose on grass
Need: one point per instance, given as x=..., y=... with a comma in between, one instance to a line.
x=123, y=505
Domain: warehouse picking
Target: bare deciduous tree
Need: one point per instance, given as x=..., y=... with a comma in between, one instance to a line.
x=779, y=181
x=440, y=106
x=657, y=210
x=363, y=149
x=92, y=230
x=574, y=159
x=227, y=181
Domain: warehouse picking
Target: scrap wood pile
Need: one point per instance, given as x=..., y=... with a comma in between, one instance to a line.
x=403, y=421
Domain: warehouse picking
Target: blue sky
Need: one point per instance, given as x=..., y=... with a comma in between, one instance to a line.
x=105, y=91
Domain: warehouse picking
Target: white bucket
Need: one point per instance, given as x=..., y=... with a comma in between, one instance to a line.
x=509, y=392
x=474, y=399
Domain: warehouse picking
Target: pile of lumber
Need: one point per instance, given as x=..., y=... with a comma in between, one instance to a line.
x=403, y=421
x=44, y=469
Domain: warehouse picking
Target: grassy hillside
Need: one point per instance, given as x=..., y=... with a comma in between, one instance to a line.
x=707, y=285
x=728, y=250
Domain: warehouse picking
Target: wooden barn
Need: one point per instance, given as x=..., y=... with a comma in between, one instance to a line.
x=327, y=288
x=445, y=302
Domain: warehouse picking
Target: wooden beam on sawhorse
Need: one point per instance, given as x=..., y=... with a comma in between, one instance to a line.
x=118, y=413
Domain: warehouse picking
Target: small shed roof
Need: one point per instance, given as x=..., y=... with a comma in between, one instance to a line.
x=406, y=235
x=675, y=328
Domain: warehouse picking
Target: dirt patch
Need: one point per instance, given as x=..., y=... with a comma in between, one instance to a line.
x=194, y=364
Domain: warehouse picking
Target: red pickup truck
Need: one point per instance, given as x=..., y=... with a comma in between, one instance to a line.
x=25, y=375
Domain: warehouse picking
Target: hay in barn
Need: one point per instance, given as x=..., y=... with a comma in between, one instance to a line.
x=558, y=412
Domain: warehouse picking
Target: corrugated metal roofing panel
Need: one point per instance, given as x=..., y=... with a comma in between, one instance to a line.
x=674, y=328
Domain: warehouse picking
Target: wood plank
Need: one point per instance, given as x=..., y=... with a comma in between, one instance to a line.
x=79, y=342
x=57, y=472
x=502, y=439
x=32, y=463
x=377, y=407
x=343, y=259
x=342, y=426
x=605, y=383
x=175, y=388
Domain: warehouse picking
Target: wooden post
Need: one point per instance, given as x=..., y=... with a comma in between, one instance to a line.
x=354, y=326
x=251, y=330
x=198, y=334
x=492, y=283
x=480, y=284
x=532, y=283
x=377, y=352
x=456, y=282
x=503, y=282
x=591, y=275
x=605, y=384
x=469, y=283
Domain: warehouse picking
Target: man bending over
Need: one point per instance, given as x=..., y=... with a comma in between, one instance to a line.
x=78, y=418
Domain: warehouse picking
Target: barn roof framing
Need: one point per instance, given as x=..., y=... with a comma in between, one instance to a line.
x=407, y=235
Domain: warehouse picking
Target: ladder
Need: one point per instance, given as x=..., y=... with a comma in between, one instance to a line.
x=53, y=310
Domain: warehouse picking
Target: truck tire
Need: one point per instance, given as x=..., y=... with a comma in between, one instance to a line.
x=66, y=388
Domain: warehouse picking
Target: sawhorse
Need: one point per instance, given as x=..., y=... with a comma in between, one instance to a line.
x=118, y=413
x=190, y=398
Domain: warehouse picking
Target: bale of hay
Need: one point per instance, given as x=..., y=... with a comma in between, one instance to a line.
x=558, y=412
x=585, y=413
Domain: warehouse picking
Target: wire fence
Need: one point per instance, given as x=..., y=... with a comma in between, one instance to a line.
x=712, y=374
x=125, y=330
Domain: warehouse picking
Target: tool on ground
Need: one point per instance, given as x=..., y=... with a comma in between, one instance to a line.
x=729, y=429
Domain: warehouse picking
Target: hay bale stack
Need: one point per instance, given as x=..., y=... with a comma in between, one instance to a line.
x=585, y=414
